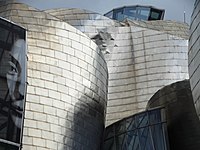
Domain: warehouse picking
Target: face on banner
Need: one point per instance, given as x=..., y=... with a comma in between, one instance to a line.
x=12, y=79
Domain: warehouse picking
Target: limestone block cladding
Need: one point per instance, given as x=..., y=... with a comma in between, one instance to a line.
x=142, y=57
x=67, y=83
x=194, y=55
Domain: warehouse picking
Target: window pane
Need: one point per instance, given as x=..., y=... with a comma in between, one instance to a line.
x=157, y=133
x=118, y=14
x=142, y=131
x=155, y=15
x=154, y=117
x=130, y=12
x=12, y=79
x=143, y=13
x=121, y=142
x=130, y=124
x=120, y=127
x=132, y=140
x=109, y=15
x=109, y=144
x=142, y=120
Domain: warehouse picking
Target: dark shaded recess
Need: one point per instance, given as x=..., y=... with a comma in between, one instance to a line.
x=182, y=122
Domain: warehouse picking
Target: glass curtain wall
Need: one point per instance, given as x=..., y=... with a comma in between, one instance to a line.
x=136, y=13
x=12, y=84
x=143, y=131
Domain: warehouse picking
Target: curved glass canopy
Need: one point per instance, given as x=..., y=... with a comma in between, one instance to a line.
x=136, y=13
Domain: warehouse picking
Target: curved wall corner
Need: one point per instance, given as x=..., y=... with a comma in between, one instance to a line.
x=67, y=76
x=182, y=121
x=194, y=55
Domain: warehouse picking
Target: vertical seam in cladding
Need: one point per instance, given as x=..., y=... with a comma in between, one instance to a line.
x=133, y=58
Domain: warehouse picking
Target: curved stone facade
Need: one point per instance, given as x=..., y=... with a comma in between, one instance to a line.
x=84, y=20
x=182, y=121
x=142, y=57
x=67, y=83
x=194, y=55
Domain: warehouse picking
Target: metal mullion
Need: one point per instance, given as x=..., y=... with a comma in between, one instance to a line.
x=9, y=142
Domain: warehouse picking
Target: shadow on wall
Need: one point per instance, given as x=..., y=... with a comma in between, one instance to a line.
x=85, y=127
x=85, y=120
x=182, y=122
x=88, y=124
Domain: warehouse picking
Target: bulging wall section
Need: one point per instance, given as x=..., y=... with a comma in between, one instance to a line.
x=67, y=83
x=194, y=55
x=182, y=121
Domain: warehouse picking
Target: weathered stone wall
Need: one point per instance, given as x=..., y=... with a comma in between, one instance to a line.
x=182, y=120
x=67, y=83
x=194, y=55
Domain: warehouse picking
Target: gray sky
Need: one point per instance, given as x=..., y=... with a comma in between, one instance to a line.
x=174, y=8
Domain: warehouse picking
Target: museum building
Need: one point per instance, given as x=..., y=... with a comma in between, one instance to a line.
x=75, y=79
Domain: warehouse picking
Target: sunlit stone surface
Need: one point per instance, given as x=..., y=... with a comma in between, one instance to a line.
x=67, y=83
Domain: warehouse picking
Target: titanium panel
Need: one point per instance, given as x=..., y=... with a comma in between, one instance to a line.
x=194, y=55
